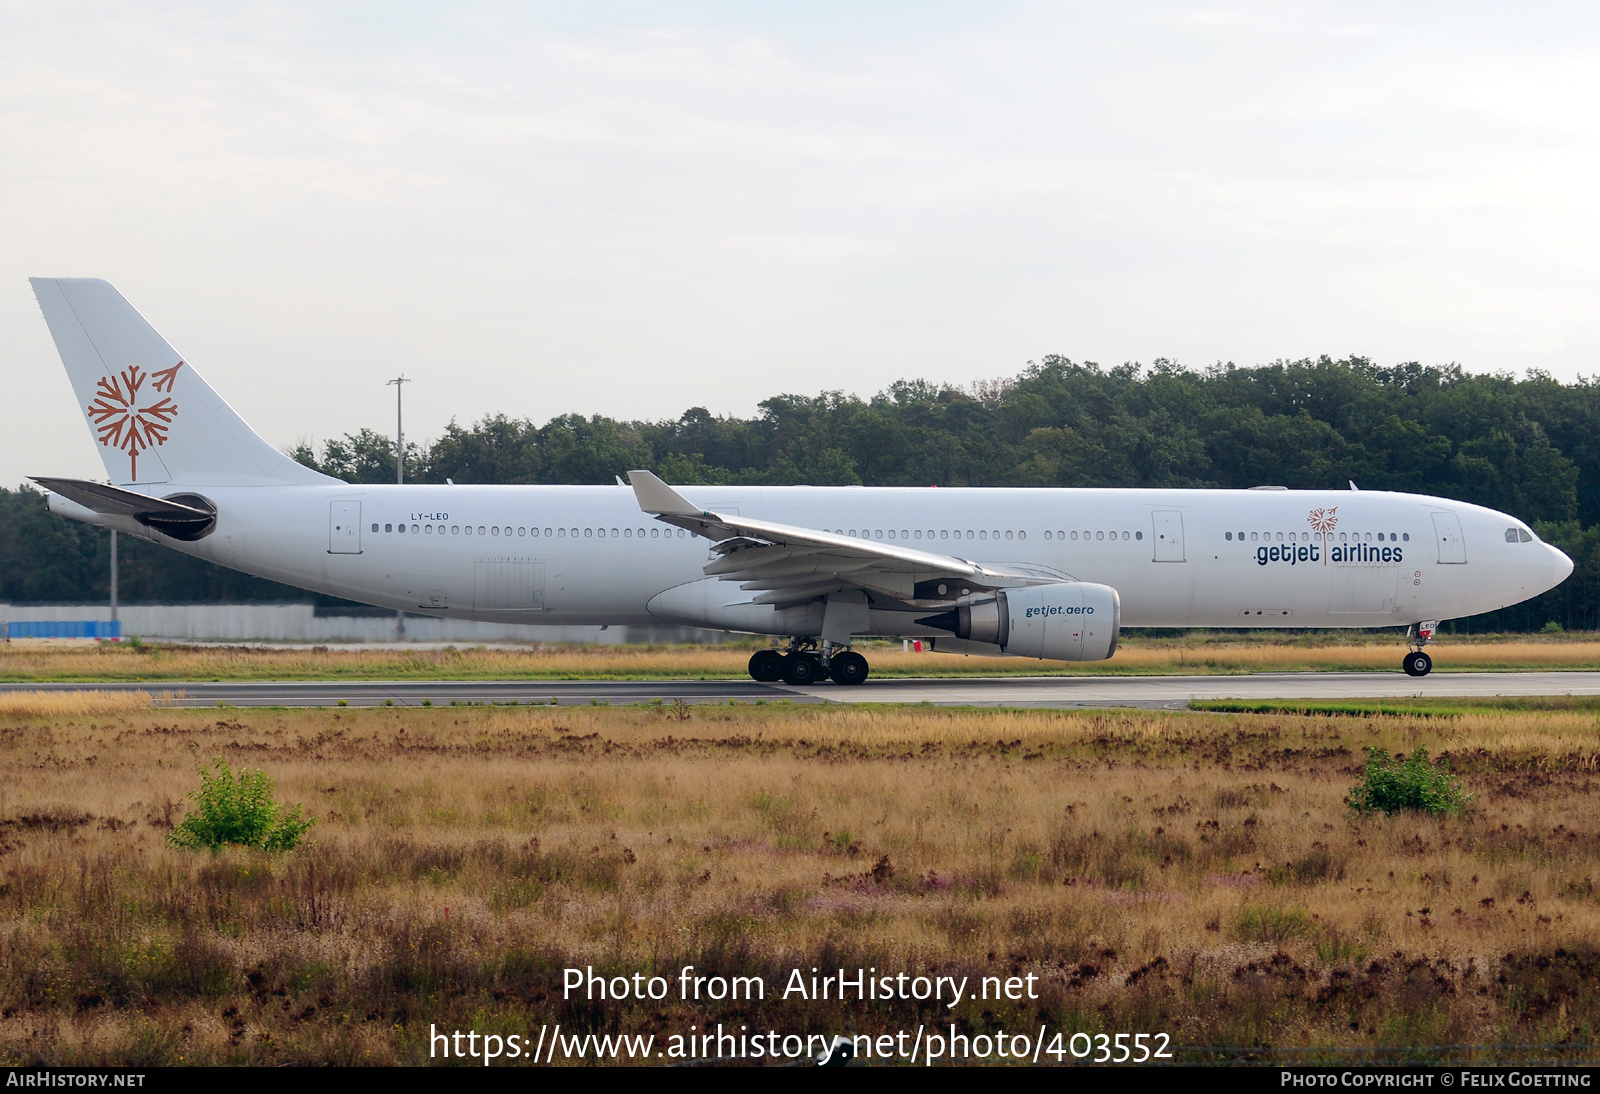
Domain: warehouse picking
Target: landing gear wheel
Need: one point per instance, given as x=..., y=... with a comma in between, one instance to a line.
x=848, y=668
x=801, y=669
x=766, y=666
x=1418, y=663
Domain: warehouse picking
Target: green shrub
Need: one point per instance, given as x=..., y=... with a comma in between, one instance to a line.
x=238, y=809
x=1266, y=924
x=1392, y=785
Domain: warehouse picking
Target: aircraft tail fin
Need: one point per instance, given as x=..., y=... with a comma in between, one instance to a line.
x=154, y=418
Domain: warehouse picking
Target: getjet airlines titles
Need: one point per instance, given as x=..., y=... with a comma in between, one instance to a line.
x=1035, y=573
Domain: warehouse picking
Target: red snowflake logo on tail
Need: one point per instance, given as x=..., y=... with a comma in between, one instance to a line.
x=119, y=419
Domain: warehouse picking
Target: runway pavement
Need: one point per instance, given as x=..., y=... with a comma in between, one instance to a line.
x=1172, y=692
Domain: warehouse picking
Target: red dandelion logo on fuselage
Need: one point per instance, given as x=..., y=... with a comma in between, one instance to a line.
x=122, y=423
x=1324, y=521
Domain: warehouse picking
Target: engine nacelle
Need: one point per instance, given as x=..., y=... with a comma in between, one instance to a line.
x=1064, y=621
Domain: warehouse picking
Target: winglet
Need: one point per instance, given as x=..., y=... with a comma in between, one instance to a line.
x=657, y=497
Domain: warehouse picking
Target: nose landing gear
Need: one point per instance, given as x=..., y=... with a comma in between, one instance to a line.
x=1418, y=663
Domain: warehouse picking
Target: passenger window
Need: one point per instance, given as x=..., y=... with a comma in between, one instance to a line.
x=1228, y=535
x=427, y=529
x=1124, y=535
x=413, y=527
x=1138, y=535
x=1099, y=535
x=1074, y=535
x=388, y=527
x=969, y=533
x=1405, y=537
x=1022, y=535
x=1008, y=533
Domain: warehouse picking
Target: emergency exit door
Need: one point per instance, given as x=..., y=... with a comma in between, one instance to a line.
x=344, y=528
x=1168, y=535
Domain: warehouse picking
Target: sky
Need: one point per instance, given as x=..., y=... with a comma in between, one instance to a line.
x=631, y=209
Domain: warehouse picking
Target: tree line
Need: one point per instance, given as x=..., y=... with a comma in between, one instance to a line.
x=1529, y=446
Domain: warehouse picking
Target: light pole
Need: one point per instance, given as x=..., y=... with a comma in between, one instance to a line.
x=399, y=431
x=398, y=383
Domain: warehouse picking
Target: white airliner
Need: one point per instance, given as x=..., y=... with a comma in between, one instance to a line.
x=1034, y=573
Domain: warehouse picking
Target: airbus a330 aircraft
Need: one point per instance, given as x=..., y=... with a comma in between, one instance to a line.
x=1034, y=573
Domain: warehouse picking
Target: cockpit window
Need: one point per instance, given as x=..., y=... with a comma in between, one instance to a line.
x=1518, y=535
x=1511, y=535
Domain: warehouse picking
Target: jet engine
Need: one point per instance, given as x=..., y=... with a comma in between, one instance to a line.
x=1064, y=621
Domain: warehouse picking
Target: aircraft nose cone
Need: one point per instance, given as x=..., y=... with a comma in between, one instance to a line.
x=1561, y=564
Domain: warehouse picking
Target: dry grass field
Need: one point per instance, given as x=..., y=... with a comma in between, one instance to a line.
x=1220, y=652
x=1196, y=874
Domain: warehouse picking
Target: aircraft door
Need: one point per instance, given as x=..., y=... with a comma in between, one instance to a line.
x=1168, y=535
x=1452, y=547
x=344, y=528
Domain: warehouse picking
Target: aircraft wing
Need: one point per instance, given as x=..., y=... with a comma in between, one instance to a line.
x=787, y=565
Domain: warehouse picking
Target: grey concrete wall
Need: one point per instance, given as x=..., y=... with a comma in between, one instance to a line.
x=299, y=623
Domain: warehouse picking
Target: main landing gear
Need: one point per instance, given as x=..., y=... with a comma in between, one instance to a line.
x=801, y=666
x=1418, y=663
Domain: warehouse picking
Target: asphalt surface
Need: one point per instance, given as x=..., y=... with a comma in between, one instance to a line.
x=1062, y=692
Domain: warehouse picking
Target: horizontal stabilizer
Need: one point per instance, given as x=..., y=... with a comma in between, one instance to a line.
x=115, y=502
